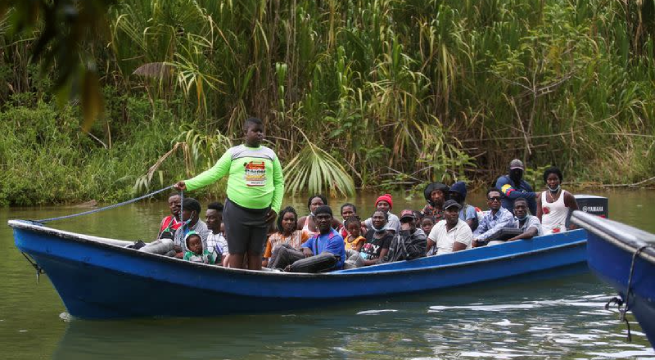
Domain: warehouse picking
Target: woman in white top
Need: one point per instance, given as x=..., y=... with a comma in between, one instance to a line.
x=555, y=204
x=307, y=223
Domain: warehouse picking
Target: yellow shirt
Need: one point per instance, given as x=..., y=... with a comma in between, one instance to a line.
x=352, y=244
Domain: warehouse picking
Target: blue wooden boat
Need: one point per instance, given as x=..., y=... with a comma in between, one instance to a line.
x=100, y=278
x=623, y=257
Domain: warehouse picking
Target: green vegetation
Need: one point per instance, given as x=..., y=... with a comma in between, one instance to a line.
x=395, y=93
x=47, y=159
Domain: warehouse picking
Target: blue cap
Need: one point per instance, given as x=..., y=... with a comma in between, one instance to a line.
x=460, y=188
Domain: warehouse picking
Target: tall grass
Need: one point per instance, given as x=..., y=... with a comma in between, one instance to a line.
x=46, y=159
x=391, y=92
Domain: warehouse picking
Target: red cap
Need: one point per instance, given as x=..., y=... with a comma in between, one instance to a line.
x=385, y=197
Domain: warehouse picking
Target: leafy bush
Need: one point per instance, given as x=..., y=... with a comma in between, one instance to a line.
x=46, y=158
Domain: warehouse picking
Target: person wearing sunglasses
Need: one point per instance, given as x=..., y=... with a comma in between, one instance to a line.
x=494, y=219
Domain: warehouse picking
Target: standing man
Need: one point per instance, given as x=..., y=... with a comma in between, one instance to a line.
x=513, y=187
x=494, y=219
x=255, y=187
x=451, y=234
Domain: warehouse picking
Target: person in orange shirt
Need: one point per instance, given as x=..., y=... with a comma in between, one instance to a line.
x=286, y=235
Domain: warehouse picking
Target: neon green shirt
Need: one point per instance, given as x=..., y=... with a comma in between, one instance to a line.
x=255, y=177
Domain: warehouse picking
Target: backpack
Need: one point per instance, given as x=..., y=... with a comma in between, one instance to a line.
x=402, y=249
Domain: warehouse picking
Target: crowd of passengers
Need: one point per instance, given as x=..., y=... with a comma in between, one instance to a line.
x=319, y=242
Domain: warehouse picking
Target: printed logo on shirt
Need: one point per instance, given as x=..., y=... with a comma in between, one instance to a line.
x=370, y=251
x=255, y=173
x=507, y=189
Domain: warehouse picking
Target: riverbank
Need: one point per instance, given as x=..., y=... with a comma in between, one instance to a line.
x=46, y=159
x=383, y=95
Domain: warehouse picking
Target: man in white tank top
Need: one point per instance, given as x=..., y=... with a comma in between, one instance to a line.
x=554, y=205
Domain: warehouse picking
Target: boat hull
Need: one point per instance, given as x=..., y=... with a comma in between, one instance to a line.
x=610, y=251
x=96, y=279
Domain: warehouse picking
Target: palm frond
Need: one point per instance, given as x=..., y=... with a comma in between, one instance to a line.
x=316, y=171
x=157, y=70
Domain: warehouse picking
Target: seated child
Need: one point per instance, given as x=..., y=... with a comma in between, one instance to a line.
x=347, y=210
x=427, y=223
x=195, y=251
x=354, y=240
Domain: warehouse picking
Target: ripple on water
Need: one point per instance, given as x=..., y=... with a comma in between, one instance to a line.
x=595, y=312
x=376, y=312
x=491, y=308
x=523, y=306
x=506, y=322
x=66, y=317
x=544, y=328
x=495, y=354
x=643, y=354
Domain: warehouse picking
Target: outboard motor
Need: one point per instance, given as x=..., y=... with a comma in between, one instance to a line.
x=597, y=205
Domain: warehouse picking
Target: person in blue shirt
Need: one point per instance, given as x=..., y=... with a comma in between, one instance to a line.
x=327, y=240
x=327, y=243
x=493, y=220
x=513, y=187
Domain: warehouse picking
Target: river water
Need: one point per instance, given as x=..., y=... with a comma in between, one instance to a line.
x=550, y=319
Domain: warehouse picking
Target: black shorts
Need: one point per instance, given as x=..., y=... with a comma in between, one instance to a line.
x=245, y=229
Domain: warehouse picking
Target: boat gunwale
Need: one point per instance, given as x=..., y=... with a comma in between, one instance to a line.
x=98, y=241
x=610, y=231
